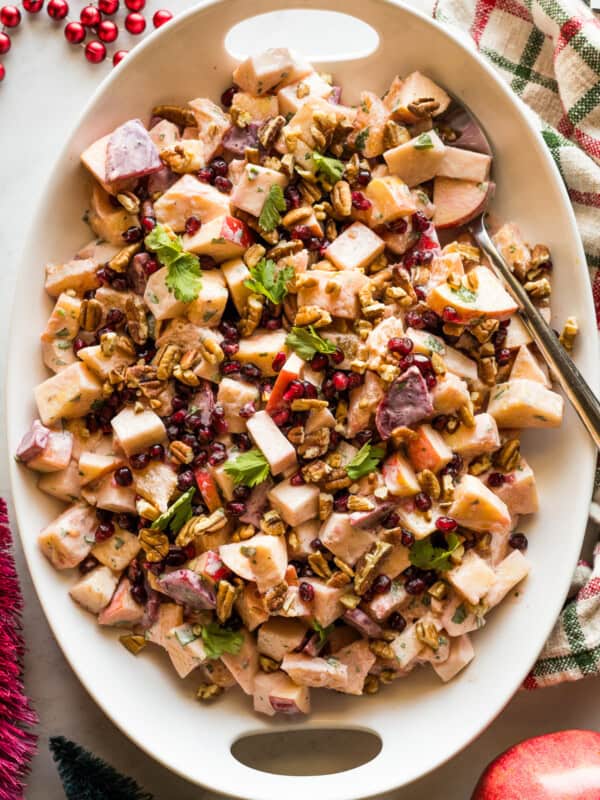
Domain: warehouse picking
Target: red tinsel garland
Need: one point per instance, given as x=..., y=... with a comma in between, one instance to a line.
x=17, y=742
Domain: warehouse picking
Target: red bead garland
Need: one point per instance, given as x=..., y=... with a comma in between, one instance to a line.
x=119, y=56
x=10, y=16
x=135, y=5
x=108, y=6
x=107, y=31
x=57, y=9
x=33, y=6
x=95, y=52
x=135, y=23
x=161, y=17
x=90, y=16
x=4, y=43
x=74, y=32
x=2, y=72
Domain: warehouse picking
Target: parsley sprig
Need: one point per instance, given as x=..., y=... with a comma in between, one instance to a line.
x=331, y=169
x=425, y=555
x=249, y=469
x=266, y=280
x=177, y=514
x=365, y=461
x=306, y=342
x=218, y=640
x=184, y=276
x=270, y=216
x=323, y=632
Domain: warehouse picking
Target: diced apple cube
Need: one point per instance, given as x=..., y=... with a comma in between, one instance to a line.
x=207, y=309
x=222, y=238
x=190, y=197
x=399, y=476
x=108, y=222
x=95, y=590
x=102, y=365
x=378, y=338
x=56, y=455
x=94, y=465
x=519, y=490
x=254, y=186
x=69, y=538
x=449, y=394
x=326, y=605
x=236, y=273
x=525, y=403
x=118, y=550
x=58, y=354
x=64, y=484
x=254, y=107
x=212, y=123
x=472, y=578
x=490, y=299
x=79, y=274
x=419, y=524
x=160, y=300
x=70, y=393
x=276, y=66
x=417, y=160
x=170, y=615
x=345, y=541
x=444, y=265
x=136, y=432
x=276, y=692
x=186, y=651
x=293, y=96
x=316, y=672
x=244, y=664
x=390, y=198
x=296, y=504
x=509, y=572
x=477, y=507
x=517, y=334
x=483, y=437
x=319, y=418
x=359, y=659
x=261, y=348
x=112, y=497
x=369, y=125
x=93, y=159
x=461, y=654
x=156, y=483
x=232, y=396
x=122, y=609
x=513, y=248
x=63, y=323
x=527, y=366
x=415, y=86
x=380, y=606
x=343, y=303
x=356, y=247
x=262, y=558
x=465, y=165
x=277, y=637
x=407, y=646
x=460, y=364
x=306, y=532
x=164, y=134
x=363, y=403
x=251, y=607
x=428, y=450
x=458, y=202
x=279, y=451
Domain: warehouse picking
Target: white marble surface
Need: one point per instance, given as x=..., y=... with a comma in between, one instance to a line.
x=46, y=85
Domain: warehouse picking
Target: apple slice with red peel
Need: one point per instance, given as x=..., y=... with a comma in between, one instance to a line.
x=558, y=766
x=458, y=202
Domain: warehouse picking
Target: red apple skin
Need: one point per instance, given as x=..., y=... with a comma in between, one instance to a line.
x=558, y=766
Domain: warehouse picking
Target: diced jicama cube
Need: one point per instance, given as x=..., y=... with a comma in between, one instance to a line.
x=262, y=558
x=428, y=450
x=189, y=197
x=317, y=672
x=306, y=532
x=254, y=186
x=63, y=323
x=390, y=198
x=95, y=465
x=70, y=393
x=403, y=92
x=164, y=133
x=208, y=307
x=460, y=364
x=102, y=365
x=399, y=476
x=185, y=649
x=156, y=483
x=342, y=302
x=69, y=538
x=276, y=66
x=112, y=497
x=222, y=238
x=236, y=273
x=458, y=202
x=279, y=636
x=509, y=572
x=461, y=654
x=527, y=366
x=489, y=299
x=118, y=550
x=58, y=354
x=465, y=165
x=363, y=403
x=160, y=300
x=514, y=249
x=345, y=541
x=95, y=590
x=212, y=124
x=472, y=578
x=279, y=452
x=136, y=432
x=261, y=348
x=294, y=605
x=355, y=248
x=296, y=504
x=252, y=107
x=407, y=646
x=516, y=334
x=56, y=455
x=79, y=274
x=108, y=222
x=483, y=437
x=369, y=125
x=232, y=396
x=359, y=659
x=417, y=160
x=244, y=664
x=525, y=403
x=64, y=485
x=449, y=394
x=319, y=418
x=276, y=693
x=293, y=96
x=170, y=616
x=122, y=609
x=477, y=507
x=380, y=606
x=251, y=607
x=457, y=618
x=395, y=562
x=519, y=491
x=419, y=524
x=326, y=605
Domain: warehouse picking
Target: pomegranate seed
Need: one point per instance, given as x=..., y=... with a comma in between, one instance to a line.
x=104, y=531
x=230, y=348
x=278, y=362
x=206, y=175
x=503, y=356
x=87, y=565
x=227, y=97
x=219, y=166
x=157, y=452
x=392, y=520
x=340, y=503
x=295, y=391
x=439, y=423
x=496, y=479
x=415, y=586
x=396, y=621
x=151, y=266
x=397, y=226
x=314, y=244
x=230, y=367
x=454, y=466
x=250, y=371
x=401, y=345
x=175, y=557
x=223, y=184
x=338, y=356
x=420, y=222
x=381, y=584
x=406, y=362
x=310, y=390
x=133, y=234
x=297, y=479
x=450, y=314
x=148, y=223
x=422, y=362
x=185, y=480
x=354, y=381
x=363, y=177
x=518, y=541
x=229, y=331
x=242, y=492
x=423, y=501
x=178, y=417
x=192, y=225
x=340, y=381
x=414, y=320
x=430, y=380
x=360, y=202
x=306, y=592
x=78, y=344
x=242, y=442
x=421, y=294
x=316, y=544
x=201, y=459
x=178, y=403
x=114, y=317
x=140, y=460
x=407, y=538
x=247, y=410
x=334, y=439
x=430, y=318
x=281, y=417
x=293, y=197
x=272, y=324
x=123, y=476
x=319, y=362
x=446, y=524
x=235, y=509
x=328, y=389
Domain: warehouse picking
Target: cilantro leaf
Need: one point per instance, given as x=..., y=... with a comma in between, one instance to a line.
x=306, y=342
x=323, y=632
x=264, y=279
x=425, y=556
x=269, y=216
x=365, y=461
x=423, y=142
x=177, y=514
x=218, y=640
x=361, y=139
x=249, y=469
x=184, y=276
x=331, y=169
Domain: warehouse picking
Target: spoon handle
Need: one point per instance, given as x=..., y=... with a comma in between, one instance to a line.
x=574, y=385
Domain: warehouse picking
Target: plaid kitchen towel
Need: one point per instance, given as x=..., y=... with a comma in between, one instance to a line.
x=548, y=51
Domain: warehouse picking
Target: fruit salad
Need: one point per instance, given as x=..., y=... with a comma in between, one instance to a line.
x=287, y=389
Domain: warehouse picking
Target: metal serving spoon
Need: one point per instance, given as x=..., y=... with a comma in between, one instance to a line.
x=574, y=385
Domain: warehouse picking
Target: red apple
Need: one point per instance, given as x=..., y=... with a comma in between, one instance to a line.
x=558, y=766
x=458, y=202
